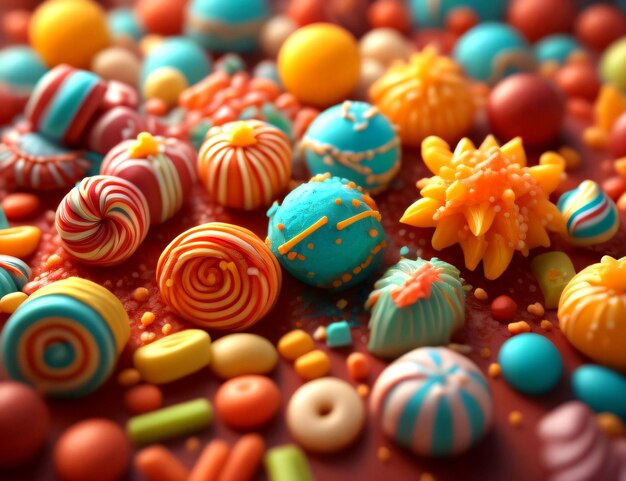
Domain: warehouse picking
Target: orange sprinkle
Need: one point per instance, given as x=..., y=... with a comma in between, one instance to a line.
x=494, y=370
x=280, y=226
x=341, y=303
x=53, y=261
x=536, y=309
x=546, y=325
x=611, y=425
x=337, y=283
x=301, y=257
x=355, y=218
x=383, y=454
x=515, y=419
x=554, y=274
x=292, y=255
x=620, y=166
x=363, y=390
x=147, y=318
x=485, y=353
x=373, y=233
x=290, y=244
x=338, y=241
x=357, y=269
x=337, y=201
x=571, y=156
x=355, y=203
x=166, y=329
x=518, y=327
x=141, y=294
x=481, y=294
x=128, y=377
x=346, y=277
x=595, y=137
x=310, y=246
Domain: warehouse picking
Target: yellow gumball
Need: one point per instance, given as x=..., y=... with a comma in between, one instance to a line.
x=69, y=31
x=166, y=84
x=320, y=64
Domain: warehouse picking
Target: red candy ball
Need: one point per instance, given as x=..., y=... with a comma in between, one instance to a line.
x=165, y=17
x=537, y=19
x=503, y=308
x=24, y=424
x=614, y=187
x=15, y=25
x=460, y=20
x=94, y=450
x=143, y=399
x=304, y=12
x=526, y=105
x=579, y=79
x=389, y=14
x=600, y=25
x=617, y=142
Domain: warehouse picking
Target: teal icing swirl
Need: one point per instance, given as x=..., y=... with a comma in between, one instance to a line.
x=428, y=321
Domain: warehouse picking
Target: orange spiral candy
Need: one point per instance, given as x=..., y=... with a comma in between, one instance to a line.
x=245, y=164
x=103, y=220
x=219, y=276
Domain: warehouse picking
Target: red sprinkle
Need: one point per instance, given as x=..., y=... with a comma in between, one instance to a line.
x=503, y=308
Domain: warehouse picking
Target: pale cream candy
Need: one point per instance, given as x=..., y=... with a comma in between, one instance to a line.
x=385, y=45
x=242, y=353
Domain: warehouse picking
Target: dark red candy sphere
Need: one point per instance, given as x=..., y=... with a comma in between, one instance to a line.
x=617, y=142
x=598, y=26
x=460, y=20
x=537, y=19
x=304, y=12
x=24, y=424
x=164, y=17
x=389, y=14
x=503, y=308
x=579, y=79
x=528, y=106
x=15, y=25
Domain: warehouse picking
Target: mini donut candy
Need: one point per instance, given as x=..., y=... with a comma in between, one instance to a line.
x=219, y=276
x=103, y=220
x=162, y=168
x=325, y=415
x=65, y=339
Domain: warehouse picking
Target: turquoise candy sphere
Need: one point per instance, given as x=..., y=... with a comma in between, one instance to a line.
x=415, y=303
x=601, y=388
x=429, y=14
x=355, y=141
x=491, y=51
x=556, y=48
x=182, y=54
x=530, y=363
x=226, y=26
x=327, y=233
x=21, y=68
x=124, y=23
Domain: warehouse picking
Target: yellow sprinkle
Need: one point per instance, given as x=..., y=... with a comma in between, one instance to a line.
x=515, y=419
x=383, y=454
x=518, y=327
x=141, y=294
x=128, y=377
x=363, y=390
x=242, y=135
x=166, y=329
x=341, y=303
x=546, y=325
x=147, y=318
x=53, y=261
x=485, y=353
x=481, y=294
x=494, y=370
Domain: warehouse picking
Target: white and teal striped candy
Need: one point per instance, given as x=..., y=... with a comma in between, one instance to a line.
x=433, y=401
x=14, y=274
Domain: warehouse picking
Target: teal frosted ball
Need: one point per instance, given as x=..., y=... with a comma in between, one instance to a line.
x=426, y=13
x=124, y=23
x=556, y=48
x=226, y=26
x=181, y=53
x=327, y=233
x=21, y=68
x=530, y=363
x=355, y=141
x=491, y=51
x=601, y=388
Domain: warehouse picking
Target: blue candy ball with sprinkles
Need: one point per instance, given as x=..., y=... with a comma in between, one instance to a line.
x=590, y=215
x=355, y=141
x=433, y=401
x=327, y=233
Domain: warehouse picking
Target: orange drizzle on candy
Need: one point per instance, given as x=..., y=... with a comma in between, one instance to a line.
x=487, y=200
x=417, y=286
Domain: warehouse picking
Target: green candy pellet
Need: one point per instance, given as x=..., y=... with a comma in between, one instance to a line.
x=553, y=270
x=287, y=463
x=169, y=422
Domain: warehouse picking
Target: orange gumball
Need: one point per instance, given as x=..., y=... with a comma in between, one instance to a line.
x=246, y=402
x=164, y=17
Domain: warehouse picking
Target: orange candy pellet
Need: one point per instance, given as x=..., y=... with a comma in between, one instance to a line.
x=20, y=206
x=312, y=365
x=358, y=366
x=142, y=399
x=295, y=344
x=244, y=459
x=246, y=402
x=156, y=463
x=211, y=462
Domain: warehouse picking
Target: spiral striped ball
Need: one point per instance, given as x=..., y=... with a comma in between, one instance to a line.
x=433, y=401
x=219, y=276
x=245, y=164
x=164, y=173
x=65, y=338
x=103, y=220
x=14, y=274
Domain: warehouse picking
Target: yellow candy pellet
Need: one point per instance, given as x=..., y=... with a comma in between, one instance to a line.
x=295, y=344
x=481, y=294
x=173, y=357
x=312, y=365
x=53, y=261
x=128, y=377
x=141, y=294
x=166, y=84
x=10, y=302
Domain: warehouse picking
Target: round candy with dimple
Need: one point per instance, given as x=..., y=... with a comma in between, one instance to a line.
x=245, y=164
x=591, y=216
x=530, y=363
x=602, y=389
x=21, y=68
x=556, y=48
x=113, y=127
x=327, y=233
x=14, y=274
x=433, y=401
x=29, y=160
x=162, y=168
x=103, y=220
x=219, y=276
x=69, y=31
x=232, y=26
x=63, y=103
x=65, y=338
x=428, y=14
x=491, y=51
x=355, y=141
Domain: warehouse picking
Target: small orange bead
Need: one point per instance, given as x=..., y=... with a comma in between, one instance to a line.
x=358, y=366
x=143, y=399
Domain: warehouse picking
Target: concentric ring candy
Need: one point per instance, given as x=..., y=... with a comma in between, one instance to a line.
x=14, y=274
x=103, y=220
x=63, y=103
x=245, y=164
x=65, y=339
x=591, y=215
x=219, y=276
x=162, y=168
x=29, y=160
x=433, y=401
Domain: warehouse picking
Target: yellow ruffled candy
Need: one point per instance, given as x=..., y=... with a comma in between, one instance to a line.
x=173, y=357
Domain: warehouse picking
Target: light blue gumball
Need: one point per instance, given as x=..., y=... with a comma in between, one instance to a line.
x=21, y=68
x=124, y=23
x=601, y=388
x=182, y=54
x=556, y=48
